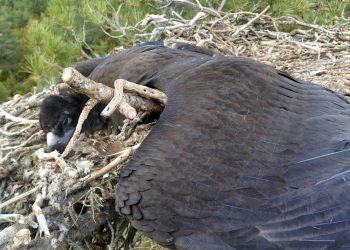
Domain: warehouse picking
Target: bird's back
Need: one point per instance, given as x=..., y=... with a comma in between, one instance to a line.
x=242, y=157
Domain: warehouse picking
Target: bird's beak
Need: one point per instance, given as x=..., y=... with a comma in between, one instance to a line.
x=58, y=143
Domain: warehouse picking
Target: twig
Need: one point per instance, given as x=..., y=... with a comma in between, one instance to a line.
x=19, y=132
x=222, y=4
x=125, y=154
x=15, y=152
x=112, y=244
x=15, y=118
x=90, y=104
x=198, y=16
x=42, y=156
x=145, y=91
x=18, y=197
x=117, y=102
x=12, y=218
x=116, y=162
x=7, y=234
x=43, y=228
x=250, y=22
x=129, y=126
x=32, y=104
x=25, y=143
x=197, y=6
x=105, y=94
x=87, y=86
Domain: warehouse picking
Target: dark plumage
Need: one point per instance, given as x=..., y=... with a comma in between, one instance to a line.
x=59, y=113
x=59, y=116
x=242, y=157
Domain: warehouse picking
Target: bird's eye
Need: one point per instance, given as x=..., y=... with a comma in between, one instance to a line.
x=47, y=129
x=67, y=122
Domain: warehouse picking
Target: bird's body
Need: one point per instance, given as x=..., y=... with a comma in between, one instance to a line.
x=242, y=157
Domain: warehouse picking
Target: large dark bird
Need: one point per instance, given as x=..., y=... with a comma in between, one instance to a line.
x=242, y=157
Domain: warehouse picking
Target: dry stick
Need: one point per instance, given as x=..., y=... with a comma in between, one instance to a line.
x=87, y=86
x=105, y=94
x=250, y=22
x=145, y=91
x=102, y=93
x=12, y=218
x=16, y=151
x=198, y=16
x=120, y=159
x=42, y=156
x=30, y=139
x=186, y=3
x=8, y=233
x=98, y=173
x=112, y=242
x=122, y=105
x=31, y=105
x=15, y=118
x=129, y=125
x=62, y=86
x=222, y=4
x=43, y=227
x=118, y=102
x=19, y=132
x=90, y=104
x=18, y=197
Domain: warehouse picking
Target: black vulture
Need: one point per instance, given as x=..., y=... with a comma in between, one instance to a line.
x=242, y=157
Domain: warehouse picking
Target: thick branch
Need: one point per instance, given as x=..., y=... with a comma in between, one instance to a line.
x=118, y=102
x=145, y=91
x=105, y=94
x=87, y=86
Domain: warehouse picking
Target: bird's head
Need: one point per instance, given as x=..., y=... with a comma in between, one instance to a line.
x=58, y=118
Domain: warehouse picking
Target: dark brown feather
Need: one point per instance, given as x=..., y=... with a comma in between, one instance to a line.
x=242, y=157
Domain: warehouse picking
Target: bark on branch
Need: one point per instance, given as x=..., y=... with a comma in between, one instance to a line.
x=126, y=103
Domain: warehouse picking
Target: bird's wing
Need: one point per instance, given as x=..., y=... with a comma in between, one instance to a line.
x=221, y=168
x=140, y=64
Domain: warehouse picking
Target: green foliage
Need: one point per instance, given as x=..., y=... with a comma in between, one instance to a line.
x=146, y=243
x=68, y=30
x=4, y=92
x=14, y=16
x=40, y=37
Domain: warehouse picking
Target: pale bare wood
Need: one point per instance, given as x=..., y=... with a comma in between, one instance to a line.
x=18, y=197
x=116, y=162
x=87, y=86
x=105, y=94
x=90, y=104
x=251, y=21
x=113, y=165
x=10, y=117
x=40, y=217
x=145, y=91
x=118, y=102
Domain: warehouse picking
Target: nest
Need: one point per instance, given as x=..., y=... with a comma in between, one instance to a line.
x=48, y=201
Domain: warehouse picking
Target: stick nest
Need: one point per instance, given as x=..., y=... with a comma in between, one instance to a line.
x=38, y=188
